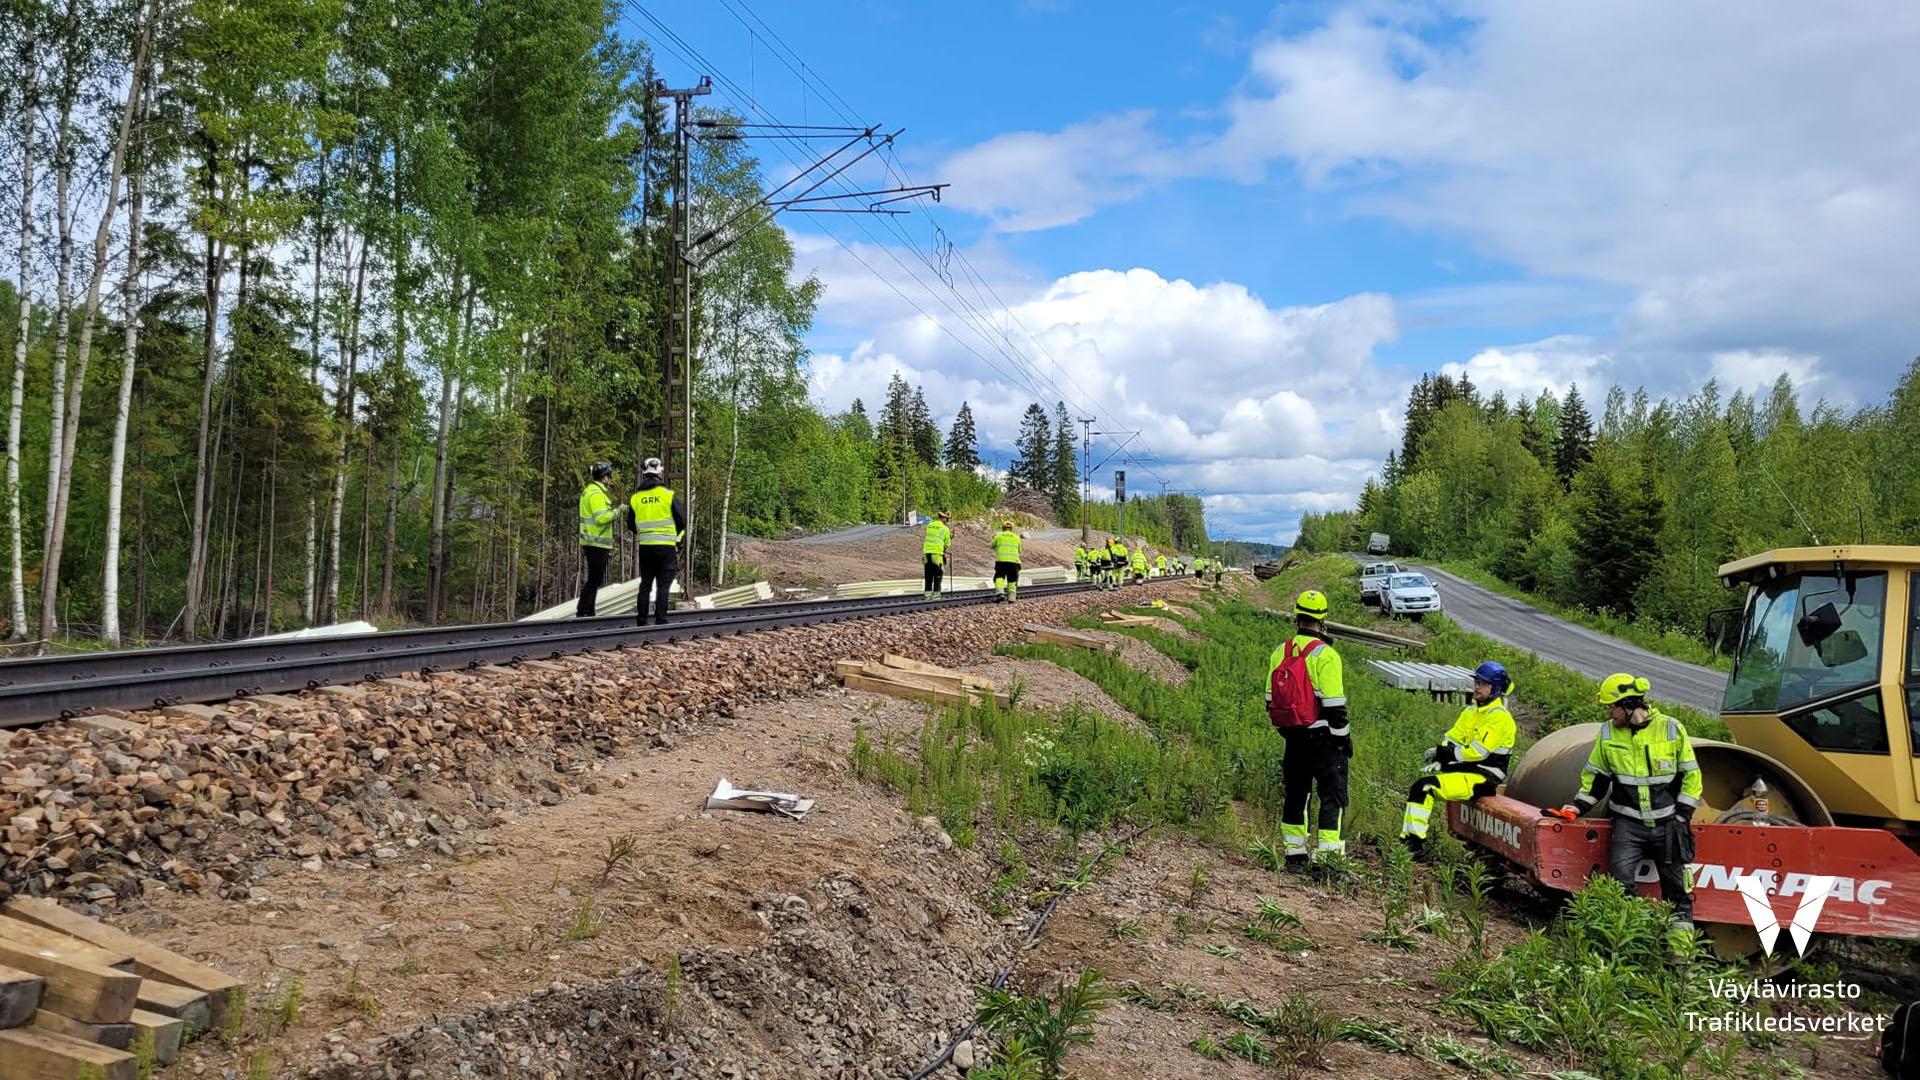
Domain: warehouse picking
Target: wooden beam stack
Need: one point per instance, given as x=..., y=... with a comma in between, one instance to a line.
x=77, y=994
x=899, y=676
x=1123, y=619
x=1053, y=635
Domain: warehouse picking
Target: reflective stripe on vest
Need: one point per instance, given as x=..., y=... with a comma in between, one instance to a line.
x=653, y=516
x=938, y=536
x=596, y=517
x=1006, y=546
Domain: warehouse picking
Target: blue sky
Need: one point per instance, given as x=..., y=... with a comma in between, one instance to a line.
x=1242, y=229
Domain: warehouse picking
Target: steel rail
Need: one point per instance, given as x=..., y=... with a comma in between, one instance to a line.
x=220, y=672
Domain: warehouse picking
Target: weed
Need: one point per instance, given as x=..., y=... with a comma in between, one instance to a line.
x=1244, y=1045
x=411, y=964
x=620, y=852
x=144, y=1058
x=1125, y=929
x=1302, y=1029
x=1134, y=994
x=1265, y=855
x=260, y=1066
x=675, y=988
x=1387, y=1035
x=1447, y=1050
x=236, y=1023
x=1226, y=951
x=1050, y=1026
x=1204, y=1045
x=1017, y=1061
x=1198, y=881
x=584, y=926
x=506, y=905
x=1273, y=915
x=1260, y=933
x=286, y=1010
x=1187, y=992
x=1015, y=692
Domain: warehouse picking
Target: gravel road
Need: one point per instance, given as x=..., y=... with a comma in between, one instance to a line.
x=1592, y=654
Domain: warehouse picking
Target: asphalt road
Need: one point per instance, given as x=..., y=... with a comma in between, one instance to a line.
x=1592, y=654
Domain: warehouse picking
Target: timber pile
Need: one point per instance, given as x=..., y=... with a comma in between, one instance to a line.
x=80, y=999
x=1036, y=634
x=899, y=676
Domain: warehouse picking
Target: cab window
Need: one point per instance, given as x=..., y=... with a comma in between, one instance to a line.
x=1808, y=637
x=1913, y=666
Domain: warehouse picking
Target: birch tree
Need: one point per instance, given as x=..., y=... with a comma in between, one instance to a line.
x=27, y=100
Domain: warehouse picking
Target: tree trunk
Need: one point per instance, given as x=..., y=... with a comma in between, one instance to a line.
x=273, y=492
x=62, y=285
x=366, y=524
x=308, y=608
x=350, y=350
x=69, y=434
x=393, y=521
x=203, y=482
x=130, y=351
x=17, y=603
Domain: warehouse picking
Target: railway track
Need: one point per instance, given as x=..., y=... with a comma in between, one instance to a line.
x=38, y=689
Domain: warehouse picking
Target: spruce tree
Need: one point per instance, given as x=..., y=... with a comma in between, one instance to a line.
x=962, y=452
x=1064, y=469
x=1575, y=446
x=1034, y=450
x=926, y=437
x=859, y=424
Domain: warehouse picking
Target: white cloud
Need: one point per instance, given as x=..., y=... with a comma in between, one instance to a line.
x=1267, y=409
x=1522, y=371
x=1757, y=371
x=1738, y=172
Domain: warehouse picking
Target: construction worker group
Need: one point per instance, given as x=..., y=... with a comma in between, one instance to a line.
x=1642, y=761
x=656, y=517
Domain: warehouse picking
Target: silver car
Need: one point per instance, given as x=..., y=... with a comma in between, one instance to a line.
x=1411, y=595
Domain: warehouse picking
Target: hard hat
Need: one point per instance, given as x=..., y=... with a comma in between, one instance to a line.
x=602, y=470
x=653, y=466
x=1312, y=604
x=1007, y=524
x=1494, y=674
x=1615, y=689
x=944, y=516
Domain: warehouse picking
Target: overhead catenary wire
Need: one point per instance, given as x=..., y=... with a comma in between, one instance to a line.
x=999, y=339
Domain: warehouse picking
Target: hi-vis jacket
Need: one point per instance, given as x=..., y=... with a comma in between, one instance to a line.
x=1479, y=742
x=937, y=538
x=1652, y=770
x=596, y=517
x=1006, y=546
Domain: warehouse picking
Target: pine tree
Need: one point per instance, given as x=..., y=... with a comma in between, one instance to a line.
x=1575, y=445
x=859, y=424
x=1034, y=448
x=962, y=452
x=1064, y=468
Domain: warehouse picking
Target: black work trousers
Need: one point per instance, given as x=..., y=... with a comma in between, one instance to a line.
x=658, y=564
x=595, y=560
x=1316, y=763
x=936, y=572
x=1634, y=842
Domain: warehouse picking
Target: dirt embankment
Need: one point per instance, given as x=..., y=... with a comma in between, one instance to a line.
x=877, y=555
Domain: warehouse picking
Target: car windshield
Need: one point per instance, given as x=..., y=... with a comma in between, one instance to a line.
x=1807, y=637
x=1410, y=581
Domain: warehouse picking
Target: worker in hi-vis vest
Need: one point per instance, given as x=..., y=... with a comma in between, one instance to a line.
x=597, y=515
x=658, y=518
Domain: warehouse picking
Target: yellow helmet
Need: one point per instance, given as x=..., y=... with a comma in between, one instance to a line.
x=1312, y=604
x=1007, y=524
x=1617, y=688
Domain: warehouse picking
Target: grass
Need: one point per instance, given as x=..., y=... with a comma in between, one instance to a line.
x=584, y=926
x=1676, y=643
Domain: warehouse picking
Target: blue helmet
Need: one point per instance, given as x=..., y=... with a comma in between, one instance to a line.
x=1494, y=674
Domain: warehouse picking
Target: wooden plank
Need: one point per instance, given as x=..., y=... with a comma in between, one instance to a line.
x=98, y=995
x=149, y=959
x=117, y=1036
x=844, y=668
x=190, y=1005
x=167, y=1033
x=904, y=663
x=902, y=690
x=949, y=683
x=19, y=996
x=27, y=933
x=31, y=1053
x=1054, y=636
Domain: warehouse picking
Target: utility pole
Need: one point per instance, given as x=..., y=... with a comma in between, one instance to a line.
x=1086, y=471
x=676, y=441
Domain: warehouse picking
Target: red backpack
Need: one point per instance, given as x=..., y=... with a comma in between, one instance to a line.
x=1291, y=703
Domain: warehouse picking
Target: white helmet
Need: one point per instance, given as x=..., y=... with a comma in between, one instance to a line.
x=653, y=467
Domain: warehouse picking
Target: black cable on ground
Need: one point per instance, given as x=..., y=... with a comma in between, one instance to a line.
x=1005, y=973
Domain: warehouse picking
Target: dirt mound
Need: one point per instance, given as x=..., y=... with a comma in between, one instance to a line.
x=1027, y=501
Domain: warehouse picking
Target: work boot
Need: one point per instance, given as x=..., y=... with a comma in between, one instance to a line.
x=1416, y=846
x=1329, y=875
x=1296, y=864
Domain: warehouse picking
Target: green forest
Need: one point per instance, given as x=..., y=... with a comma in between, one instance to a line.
x=322, y=310
x=1632, y=514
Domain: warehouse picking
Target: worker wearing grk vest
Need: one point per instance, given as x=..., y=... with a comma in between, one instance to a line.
x=1645, y=760
x=933, y=553
x=1471, y=759
x=596, y=537
x=1006, y=563
x=658, y=518
x=1312, y=718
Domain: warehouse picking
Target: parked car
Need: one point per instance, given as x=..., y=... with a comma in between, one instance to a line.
x=1373, y=578
x=1378, y=543
x=1411, y=595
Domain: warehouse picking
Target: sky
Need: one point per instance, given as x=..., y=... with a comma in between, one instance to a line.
x=1242, y=230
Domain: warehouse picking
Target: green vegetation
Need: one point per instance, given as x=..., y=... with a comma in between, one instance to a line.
x=1631, y=518
x=1039, y=1030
